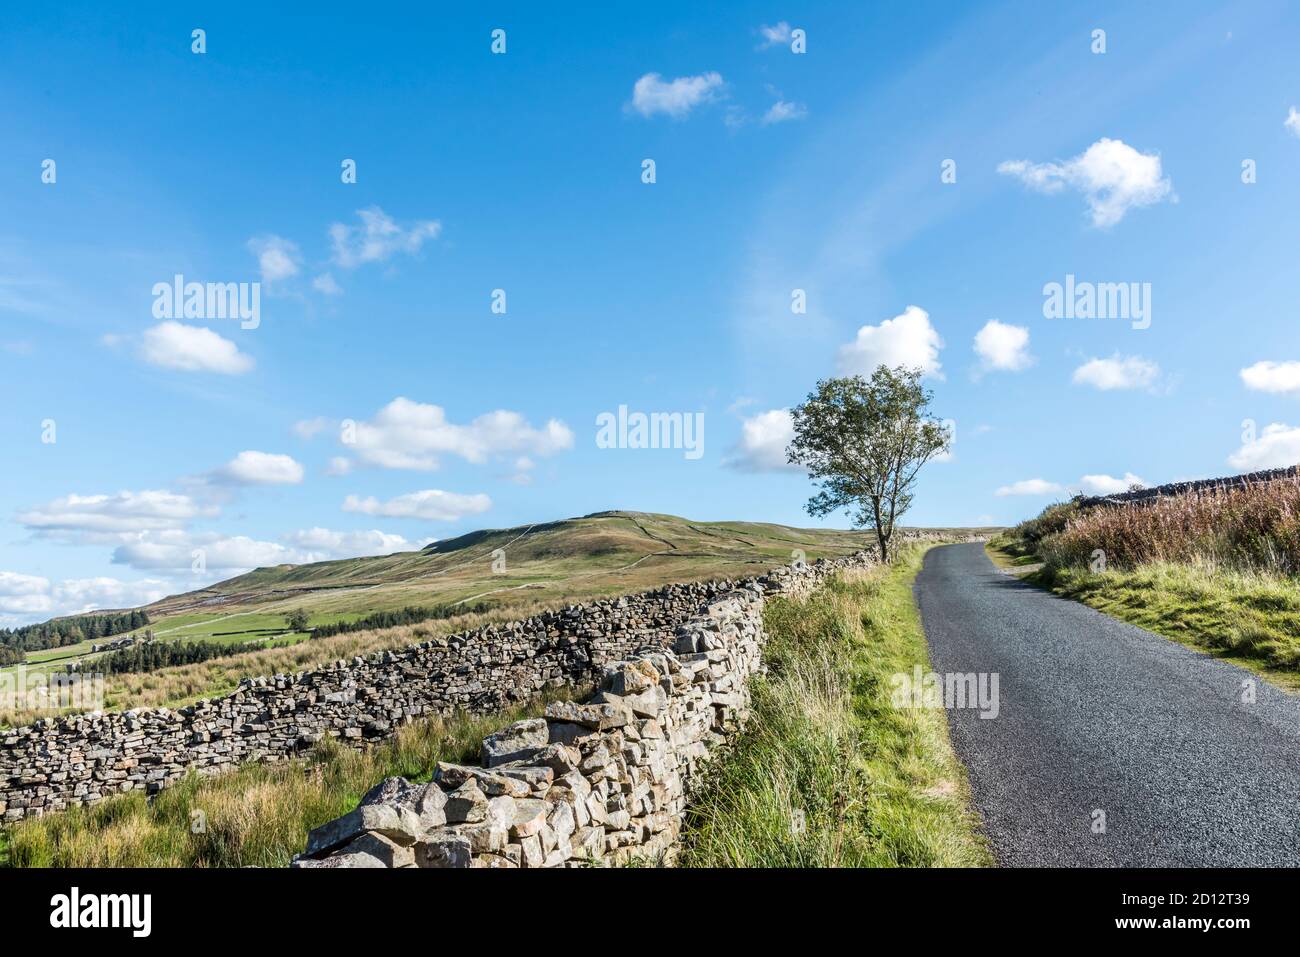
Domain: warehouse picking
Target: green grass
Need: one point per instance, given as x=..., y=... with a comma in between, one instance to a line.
x=878, y=786
x=1008, y=552
x=1249, y=618
x=257, y=815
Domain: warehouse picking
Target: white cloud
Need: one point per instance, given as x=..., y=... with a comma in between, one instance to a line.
x=782, y=110
x=523, y=471
x=173, y=345
x=412, y=435
x=907, y=340
x=1292, y=121
x=335, y=544
x=309, y=428
x=775, y=35
x=1029, y=487
x=77, y=595
x=28, y=598
x=430, y=504
x=339, y=465
x=763, y=441
x=277, y=258
x=123, y=513
x=1108, y=485
x=325, y=283
x=224, y=556
x=1099, y=484
x=1278, y=446
x=23, y=594
x=174, y=551
x=260, y=468
x=1271, y=376
x=1002, y=346
x=1118, y=372
x=651, y=95
x=378, y=238
x=1113, y=176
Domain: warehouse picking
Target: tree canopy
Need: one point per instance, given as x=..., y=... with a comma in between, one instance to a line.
x=864, y=442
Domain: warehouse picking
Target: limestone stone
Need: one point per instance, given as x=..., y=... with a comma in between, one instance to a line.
x=344, y=860
x=490, y=783
x=388, y=852
x=400, y=825
x=529, y=817
x=521, y=740
x=597, y=716
x=629, y=677
x=444, y=848
x=531, y=851
x=467, y=804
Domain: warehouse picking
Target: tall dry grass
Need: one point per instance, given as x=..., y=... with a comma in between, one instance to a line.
x=829, y=773
x=1251, y=529
x=1217, y=569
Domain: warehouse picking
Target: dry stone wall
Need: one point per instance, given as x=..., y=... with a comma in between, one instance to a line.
x=55, y=763
x=591, y=783
x=1146, y=496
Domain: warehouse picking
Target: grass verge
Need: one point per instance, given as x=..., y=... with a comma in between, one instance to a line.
x=828, y=772
x=1251, y=619
x=258, y=815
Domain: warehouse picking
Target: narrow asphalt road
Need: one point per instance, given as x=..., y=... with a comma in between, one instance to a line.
x=1098, y=716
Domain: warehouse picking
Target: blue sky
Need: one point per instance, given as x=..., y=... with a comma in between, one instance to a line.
x=820, y=171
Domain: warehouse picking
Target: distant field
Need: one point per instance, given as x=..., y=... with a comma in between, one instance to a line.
x=538, y=566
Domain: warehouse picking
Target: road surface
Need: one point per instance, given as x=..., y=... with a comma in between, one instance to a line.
x=1095, y=715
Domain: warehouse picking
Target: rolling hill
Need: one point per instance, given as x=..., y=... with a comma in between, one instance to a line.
x=596, y=554
x=492, y=574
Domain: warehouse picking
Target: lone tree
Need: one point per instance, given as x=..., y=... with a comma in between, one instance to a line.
x=864, y=443
x=296, y=620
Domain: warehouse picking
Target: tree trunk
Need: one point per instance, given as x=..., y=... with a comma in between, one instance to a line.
x=881, y=538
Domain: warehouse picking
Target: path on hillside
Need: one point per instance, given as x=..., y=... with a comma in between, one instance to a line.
x=1096, y=714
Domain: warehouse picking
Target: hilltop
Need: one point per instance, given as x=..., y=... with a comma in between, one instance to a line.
x=598, y=553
